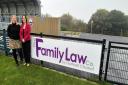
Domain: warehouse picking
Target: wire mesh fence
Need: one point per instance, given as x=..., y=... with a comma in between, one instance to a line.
x=117, y=64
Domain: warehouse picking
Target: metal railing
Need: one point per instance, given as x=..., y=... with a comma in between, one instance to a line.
x=117, y=63
x=115, y=70
x=4, y=42
x=72, y=71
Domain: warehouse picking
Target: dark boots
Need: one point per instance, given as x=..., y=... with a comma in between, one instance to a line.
x=19, y=51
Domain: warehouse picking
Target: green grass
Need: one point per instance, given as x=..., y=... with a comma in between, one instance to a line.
x=35, y=75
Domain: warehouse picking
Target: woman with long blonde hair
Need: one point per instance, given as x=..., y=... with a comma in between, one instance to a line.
x=14, y=39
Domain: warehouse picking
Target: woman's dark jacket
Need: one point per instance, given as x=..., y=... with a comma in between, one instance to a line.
x=13, y=31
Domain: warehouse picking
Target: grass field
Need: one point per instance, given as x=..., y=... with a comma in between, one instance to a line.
x=10, y=74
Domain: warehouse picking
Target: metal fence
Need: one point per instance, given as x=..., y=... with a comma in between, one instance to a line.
x=113, y=68
x=117, y=63
x=4, y=42
x=72, y=71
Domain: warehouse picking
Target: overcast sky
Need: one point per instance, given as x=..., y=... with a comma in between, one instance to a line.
x=81, y=9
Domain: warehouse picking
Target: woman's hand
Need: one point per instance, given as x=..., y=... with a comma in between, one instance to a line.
x=23, y=40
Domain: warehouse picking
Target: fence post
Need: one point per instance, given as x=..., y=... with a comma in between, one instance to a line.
x=102, y=59
x=41, y=35
x=4, y=42
x=108, y=54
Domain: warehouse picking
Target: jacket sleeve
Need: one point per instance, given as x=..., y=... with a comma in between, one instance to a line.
x=28, y=30
x=8, y=31
x=20, y=34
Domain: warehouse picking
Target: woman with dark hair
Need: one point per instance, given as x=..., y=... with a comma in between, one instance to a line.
x=14, y=39
x=25, y=30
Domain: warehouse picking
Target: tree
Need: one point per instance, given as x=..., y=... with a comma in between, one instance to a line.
x=79, y=26
x=66, y=22
x=97, y=22
x=112, y=23
x=117, y=21
x=125, y=30
x=69, y=23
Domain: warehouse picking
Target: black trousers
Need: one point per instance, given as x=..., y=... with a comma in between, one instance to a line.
x=27, y=51
x=19, y=51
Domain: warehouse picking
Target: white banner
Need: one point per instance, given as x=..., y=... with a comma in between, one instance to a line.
x=78, y=55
